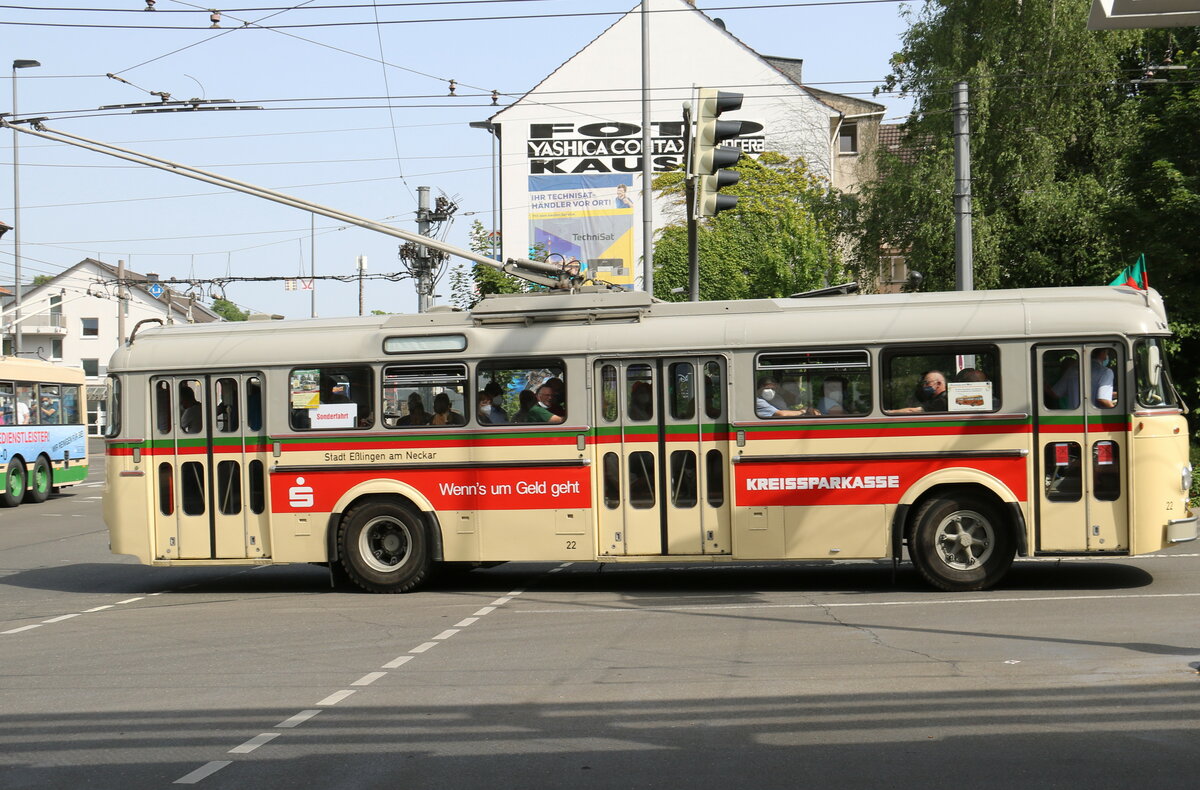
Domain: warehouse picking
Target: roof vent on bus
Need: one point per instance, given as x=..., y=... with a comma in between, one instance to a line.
x=833, y=290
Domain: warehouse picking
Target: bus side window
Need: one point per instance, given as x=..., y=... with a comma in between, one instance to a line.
x=1060, y=379
x=527, y=391
x=26, y=405
x=332, y=398
x=227, y=406
x=639, y=381
x=7, y=410
x=163, y=419
x=71, y=414
x=254, y=403
x=954, y=379
x=191, y=411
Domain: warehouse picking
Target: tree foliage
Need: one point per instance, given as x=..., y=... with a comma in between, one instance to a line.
x=778, y=240
x=469, y=283
x=229, y=311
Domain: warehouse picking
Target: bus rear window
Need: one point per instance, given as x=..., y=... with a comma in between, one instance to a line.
x=330, y=398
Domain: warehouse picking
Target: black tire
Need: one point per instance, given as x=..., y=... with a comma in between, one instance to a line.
x=14, y=484
x=383, y=547
x=39, y=481
x=960, y=543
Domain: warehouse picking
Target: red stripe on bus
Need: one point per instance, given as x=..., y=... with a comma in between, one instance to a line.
x=446, y=489
x=862, y=482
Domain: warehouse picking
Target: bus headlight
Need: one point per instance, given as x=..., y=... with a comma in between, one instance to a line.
x=1185, y=478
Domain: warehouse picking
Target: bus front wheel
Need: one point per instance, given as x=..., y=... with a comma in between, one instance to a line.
x=960, y=544
x=39, y=479
x=14, y=484
x=383, y=547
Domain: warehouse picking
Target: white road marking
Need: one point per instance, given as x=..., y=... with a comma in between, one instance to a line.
x=421, y=648
x=130, y=600
x=449, y=632
x=22, y=628
x=501, y=601
x=203, y=772
x=335, y=698
x=396, y=663
x=465, y=622
x=98, y=608
x=254, y=743
x=297, y=720
x=62, y=617
x=368, y=678
x=485, y=610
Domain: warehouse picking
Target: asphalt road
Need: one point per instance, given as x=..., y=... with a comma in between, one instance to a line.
x=1076, y=674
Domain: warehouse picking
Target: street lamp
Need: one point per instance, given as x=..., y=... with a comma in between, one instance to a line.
x=16, y=324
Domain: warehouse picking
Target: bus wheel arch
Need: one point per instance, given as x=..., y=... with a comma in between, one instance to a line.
x=40, y=480
x=962, y=537
x=384, y=544
x=14, y=482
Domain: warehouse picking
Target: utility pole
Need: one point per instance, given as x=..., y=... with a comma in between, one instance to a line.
x=964, y=261
x=647, y=160
x=362, y=267
x=120, y=303
x=422, y=261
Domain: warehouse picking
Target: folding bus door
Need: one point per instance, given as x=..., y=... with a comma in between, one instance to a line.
x=1082, y=451
x=239, y=459
x=181, y=468
x=662, y=455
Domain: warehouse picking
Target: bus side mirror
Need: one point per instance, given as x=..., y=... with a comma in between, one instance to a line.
x=1154, y=362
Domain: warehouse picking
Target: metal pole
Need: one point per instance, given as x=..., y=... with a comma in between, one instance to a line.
x=689, y=182
x=647, y=162
x=17, y=64
x=424, y=275
x=362, y=265
x=964, y=262
x=120, y=303
x=312, y=261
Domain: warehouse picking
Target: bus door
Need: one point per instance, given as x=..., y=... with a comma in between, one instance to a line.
x=239, y=458
x=210, y=455
x=1082, y=453
x=663, y=456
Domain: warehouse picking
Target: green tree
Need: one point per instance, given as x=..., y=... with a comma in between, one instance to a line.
x=229, y=311
x=781, y=237
x=471, y=282
x=1051, y=123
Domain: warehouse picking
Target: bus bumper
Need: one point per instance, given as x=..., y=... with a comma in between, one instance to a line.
x=1181, y=530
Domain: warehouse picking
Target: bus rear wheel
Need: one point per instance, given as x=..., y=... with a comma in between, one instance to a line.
x=383, y=547
x=960, y=544
x=14, y=484
x=39, y=481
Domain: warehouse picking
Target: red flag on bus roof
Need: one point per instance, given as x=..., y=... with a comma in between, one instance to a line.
x=1134, y=276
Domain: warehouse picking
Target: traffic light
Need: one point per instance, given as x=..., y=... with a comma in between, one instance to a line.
x=711, y=156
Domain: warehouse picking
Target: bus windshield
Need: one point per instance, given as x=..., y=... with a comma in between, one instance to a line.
x=1154, y=386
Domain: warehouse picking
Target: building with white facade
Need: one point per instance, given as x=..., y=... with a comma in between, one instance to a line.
x=74, y=319
x=570, y=157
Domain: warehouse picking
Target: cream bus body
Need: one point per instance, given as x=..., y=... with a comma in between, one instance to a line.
x=1008, y=469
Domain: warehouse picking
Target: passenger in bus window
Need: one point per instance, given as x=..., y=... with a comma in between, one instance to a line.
x=333, y=391
x=486, y=410
x=1103, y=379
x=416, y=411
x=189, y=411
x=558, y=403
x=443, y=414
x=931, y=393
x=641, y=401
x=769, y=405
x=49, y=411
x=527, y=401
x=541, y=411
x=971, y=374
x=23, y=412
x=833, y=391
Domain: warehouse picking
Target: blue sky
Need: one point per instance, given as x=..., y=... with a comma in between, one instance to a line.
x=330, y=144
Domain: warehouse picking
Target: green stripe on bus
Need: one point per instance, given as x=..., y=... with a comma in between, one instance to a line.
x=72, y=474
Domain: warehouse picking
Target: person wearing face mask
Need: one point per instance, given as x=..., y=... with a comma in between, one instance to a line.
x=768, y=404
x=1103, y=379
x=833, y=391
x=931, y=393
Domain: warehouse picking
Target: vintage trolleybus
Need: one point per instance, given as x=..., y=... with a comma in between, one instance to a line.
x=961, y=428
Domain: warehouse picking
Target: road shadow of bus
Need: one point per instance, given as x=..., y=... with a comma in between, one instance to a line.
x=654, y=581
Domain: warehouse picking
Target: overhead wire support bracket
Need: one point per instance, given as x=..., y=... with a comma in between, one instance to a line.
x=553, y=273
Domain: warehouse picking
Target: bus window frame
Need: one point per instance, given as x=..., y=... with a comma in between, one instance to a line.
x=431, y=375
x=527, y=364
x=887, y=354
x=769, y=370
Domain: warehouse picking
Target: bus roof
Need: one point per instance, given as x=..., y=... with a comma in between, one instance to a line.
x=22, y=369
x=607, y=321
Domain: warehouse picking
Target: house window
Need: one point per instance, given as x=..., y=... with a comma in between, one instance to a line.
x=91, y=327
x=848, y=138
x=91, y=367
